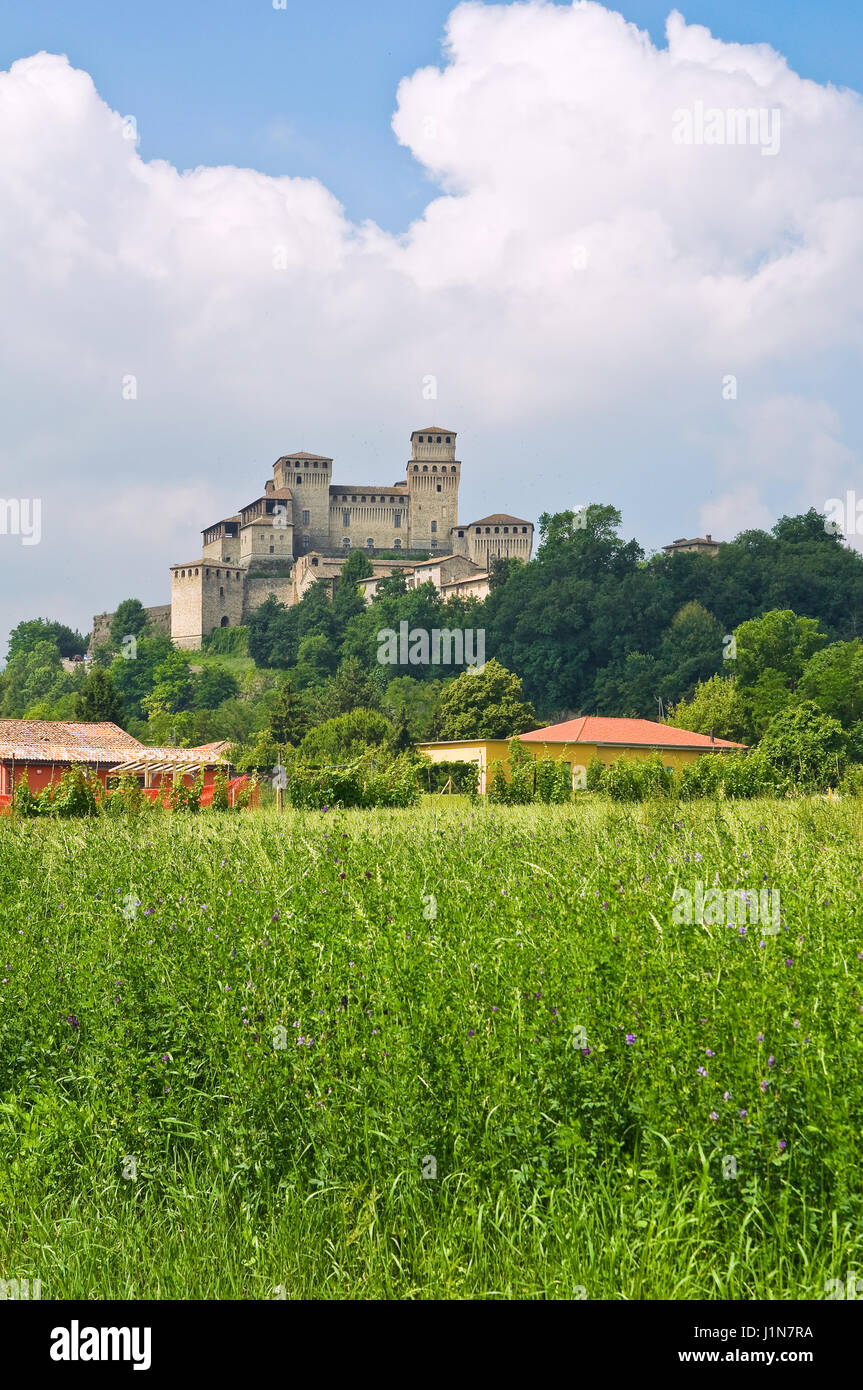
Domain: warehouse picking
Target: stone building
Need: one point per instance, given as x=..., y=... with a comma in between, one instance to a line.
x=302, y=526
x=700, y=545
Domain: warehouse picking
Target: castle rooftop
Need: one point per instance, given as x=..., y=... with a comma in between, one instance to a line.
x=496, y=519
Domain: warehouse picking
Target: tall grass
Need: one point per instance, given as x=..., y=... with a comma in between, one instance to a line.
x=232, y=1046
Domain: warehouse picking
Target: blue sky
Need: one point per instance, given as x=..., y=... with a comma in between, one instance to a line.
x=310, y=90
x=578, y=285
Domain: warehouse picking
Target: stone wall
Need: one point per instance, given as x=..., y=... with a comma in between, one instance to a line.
x=159, y=618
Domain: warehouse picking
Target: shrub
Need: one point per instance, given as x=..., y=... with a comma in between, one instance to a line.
x=220, y=786
x=183, y=798
x=366, y=783
x=561, y=792
x=434, y=776
x=750, y=774
x=78, y=793
x=703, y=777
x=595, y=776
x=227, y=641
x=522, y=774
x=23, y=800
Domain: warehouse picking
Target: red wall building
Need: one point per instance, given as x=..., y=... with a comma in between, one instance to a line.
x=45, y=749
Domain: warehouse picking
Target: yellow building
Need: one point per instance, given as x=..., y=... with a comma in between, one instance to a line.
x=578, y=740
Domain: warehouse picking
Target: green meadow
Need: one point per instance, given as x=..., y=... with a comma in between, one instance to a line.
x=450, y=1052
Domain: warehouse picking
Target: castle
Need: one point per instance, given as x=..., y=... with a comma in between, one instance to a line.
x=302, y=527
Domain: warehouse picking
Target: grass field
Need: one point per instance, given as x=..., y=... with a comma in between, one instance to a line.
x=339, y=1055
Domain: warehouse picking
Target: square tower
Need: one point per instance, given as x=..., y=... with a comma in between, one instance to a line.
x=309, y=477
x=433, y=476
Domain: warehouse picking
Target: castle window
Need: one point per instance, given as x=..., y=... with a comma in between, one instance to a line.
x=315, y=560
x=488, y=530
x=416, y=468
x=434, y=468
x=346, y=518
x=438, y=487
x=397, y=519
x=506, y=530
x=347, y=542
x=524, y=530
x=438, y=439
x=452, y=470
x=425, y=468
x=273, y=549
x=314, y=465
x=207, y=573
x=305, y=542
x=497, y=530
x=434, y=545
x=421, y=439
x=221, y=593
x=353, y=497
x=397, y=545
x=363, y=498
x=224, y=622
x=434, y=526
x=299, y=477
x=448, y=440
x=461, y=533
x=370, y=542
x=478, y=530
x=306, y=464
x=305, y=518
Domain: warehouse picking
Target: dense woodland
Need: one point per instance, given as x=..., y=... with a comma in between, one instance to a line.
x=762, y=637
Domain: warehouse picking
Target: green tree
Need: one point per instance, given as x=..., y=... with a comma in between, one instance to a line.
x=173, y=685
x=806, y=745
x=130, y=620
x=401, y=740
x=288, y=718
x=417, y=700
x=134, y=677
x=346, y=738
x=777, y=641
x=485, y=703
x=833, y=680
x=26, y=635
x=33, y=678
x=350, y=688
x=99, y=700
x=214, y=685
x=716, y=706
x=347, y=599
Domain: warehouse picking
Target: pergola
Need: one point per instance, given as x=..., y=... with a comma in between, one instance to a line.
x=187, y=762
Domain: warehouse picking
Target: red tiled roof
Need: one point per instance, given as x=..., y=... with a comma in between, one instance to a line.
x=52, y=741
x=645, y=733
x=63, y=741
x=496, y=519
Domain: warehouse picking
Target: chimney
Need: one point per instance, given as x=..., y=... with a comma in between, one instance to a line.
x=708, y=536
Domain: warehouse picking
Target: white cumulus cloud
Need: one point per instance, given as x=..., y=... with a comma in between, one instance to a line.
x=579, y=286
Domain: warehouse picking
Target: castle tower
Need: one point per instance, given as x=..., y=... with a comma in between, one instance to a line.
x=309, y=477
x=433, y=476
